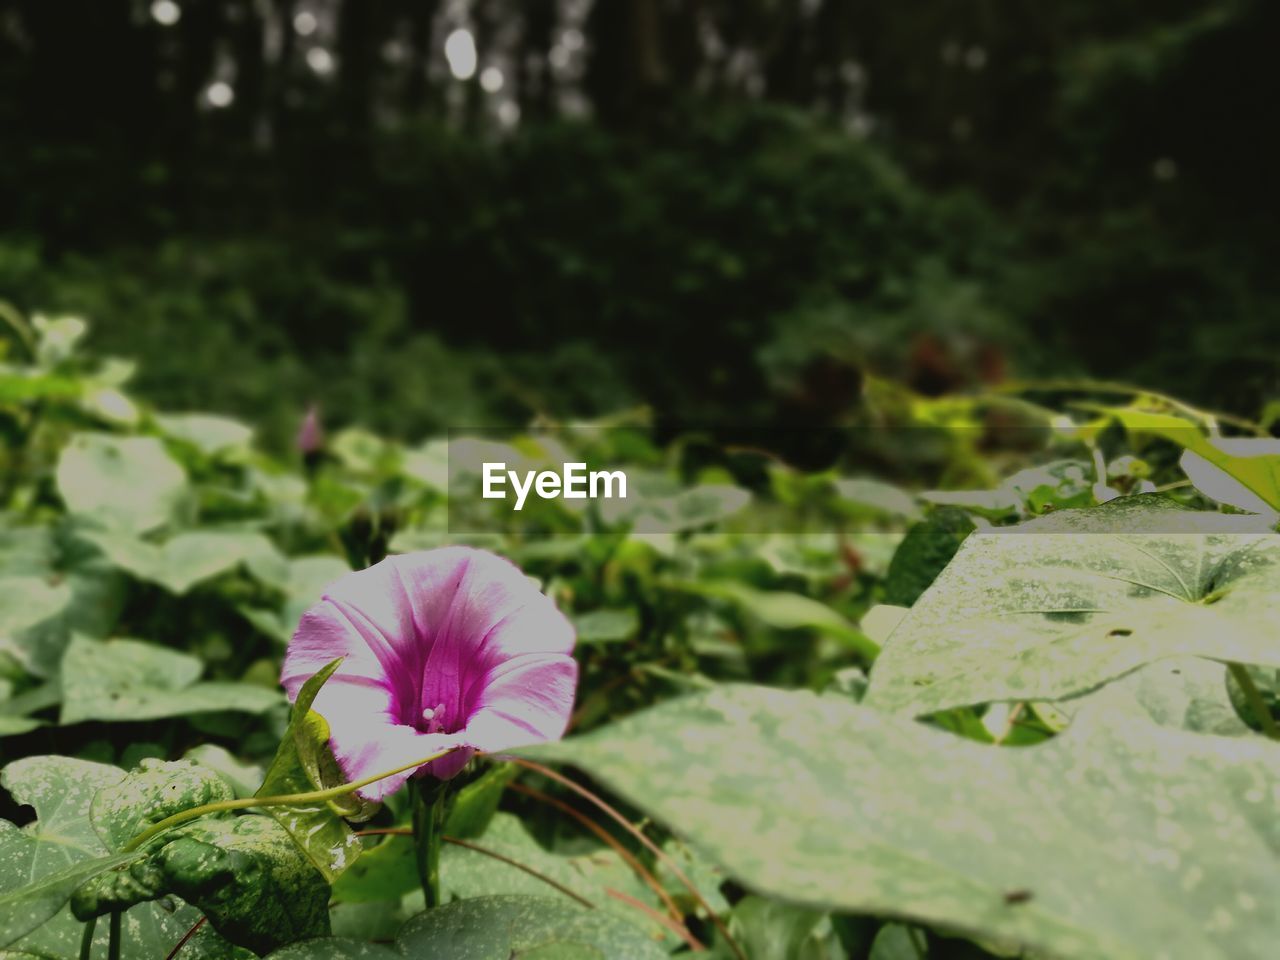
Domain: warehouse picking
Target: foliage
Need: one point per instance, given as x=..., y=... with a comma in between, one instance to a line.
x=1018, y=696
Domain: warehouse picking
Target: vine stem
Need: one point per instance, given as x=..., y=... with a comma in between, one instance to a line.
x=649, y=845
x=195, y=927
x=486, y=851
x=430, y=811
x=607, y=838
x=114, y=944
x=1254, y=696
x=86, y=940
x=282, y=800
x=658, y=917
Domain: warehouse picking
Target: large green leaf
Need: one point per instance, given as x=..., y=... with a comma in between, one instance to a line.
x=336, y=948
x=1059, y=605
x=535, y=928
x=496, y=928
x=186, y=559
x=58, y=852
x=131, y=680
x=244, y=873
x=592, y=874
x=30, y=906
x=120, y=483
x=155, y=790
x=1184, y=692
x=319, y=831
x=1120, y=843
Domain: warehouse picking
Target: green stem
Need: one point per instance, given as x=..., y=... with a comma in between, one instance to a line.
x=86, y=941
x=282, y=800
x=1254, y=697
x=431, y=801
x=113, y=945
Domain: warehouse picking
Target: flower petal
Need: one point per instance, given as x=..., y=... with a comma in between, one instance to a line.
x=365, y=738
x=527, y=700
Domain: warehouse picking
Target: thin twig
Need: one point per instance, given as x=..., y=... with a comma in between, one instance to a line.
x=486, y=851
x=607, y=838
x=185, y=937
x=468, y=845
x=648, y=844
x=658, y=917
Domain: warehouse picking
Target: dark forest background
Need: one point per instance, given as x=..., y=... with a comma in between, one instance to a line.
x=430, y=214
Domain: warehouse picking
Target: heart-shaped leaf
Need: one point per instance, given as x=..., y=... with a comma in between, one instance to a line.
x=120, y=483
x=319, y=830
x=1059, y=605
x=42, y=863
x=132, y=680
x=1102, y=842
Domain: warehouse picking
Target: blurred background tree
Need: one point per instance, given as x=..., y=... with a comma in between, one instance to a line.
x=424, y=213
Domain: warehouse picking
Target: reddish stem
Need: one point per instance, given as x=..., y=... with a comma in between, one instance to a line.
x=607, y=838
x=185, y=937
x=648, y=844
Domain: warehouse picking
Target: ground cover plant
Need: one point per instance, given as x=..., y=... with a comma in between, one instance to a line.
x=1012, y=693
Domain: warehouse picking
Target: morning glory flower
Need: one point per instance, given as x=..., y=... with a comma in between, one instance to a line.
x=453, y=647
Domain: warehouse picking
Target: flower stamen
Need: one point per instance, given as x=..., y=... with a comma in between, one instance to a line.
x=433, y=717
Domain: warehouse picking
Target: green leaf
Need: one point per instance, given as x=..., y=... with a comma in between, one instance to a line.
x=208, y=433
x=387, y=871
x=1259, y=472
x=877, y=497
x=771, y=930
x=131, y=680
x=129, y=484
x=675, y=513
x=319, y=831
x=606, y=626
x=303, y=584
x=28, y=907
x=476, y=803
x=243, y=778
x=1183, y=692
x=16, y=726
x=895, y=942
x=786, y=611
x=1267, y=683
x=497, y=928
x=1062, y=604
x=1120, y=843
x=186, y=559
x=467, y=874
x=927, y=548
x=58, y=852
x=97, y=596
x=1059, y=485
x=26, y=601
x=155, y=790
x=244, y=873
x=336, y=948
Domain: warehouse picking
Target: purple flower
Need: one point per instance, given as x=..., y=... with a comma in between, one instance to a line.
x=310, y=436
x=449, y=647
